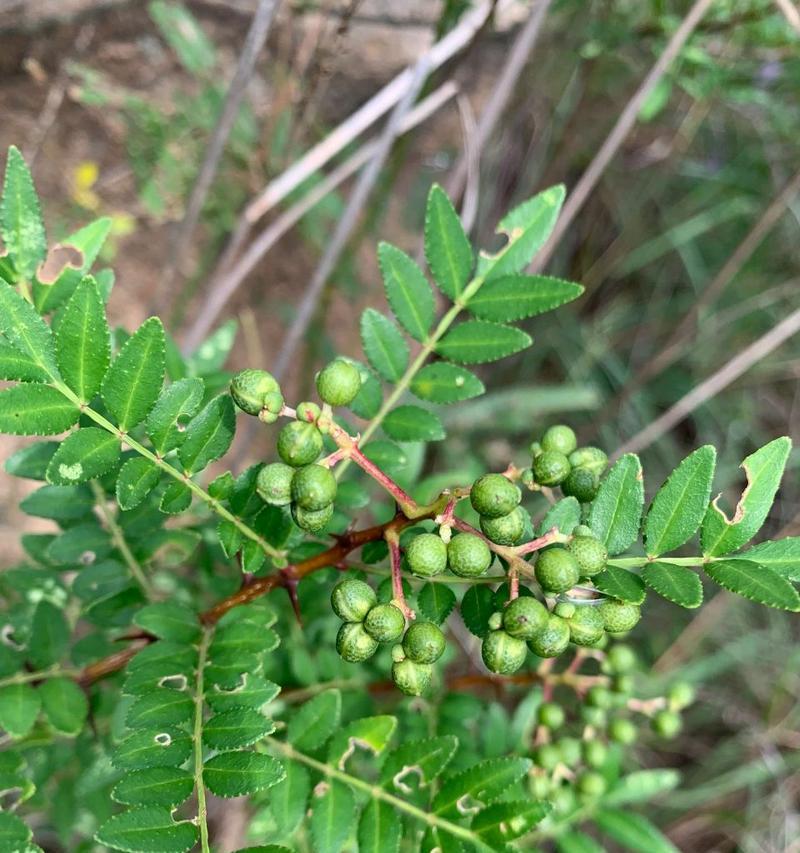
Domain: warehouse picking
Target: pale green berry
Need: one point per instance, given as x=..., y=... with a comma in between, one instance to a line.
x=312, y=520
x=352, y=599
x=424, y=642
x=338, y=383
x=412, y=678
x=313, y=487
x=506, y=530
x=551, y=468
x=525, y=617
x=385, y=623
x=619, y=616
x=590, y=554
x=249, y=389
x=299, y=444
x=494, y=495
x=666, y=724
x=560, y=438
x=585, y=626
x=503, y=653
x=468, y=555
x=426, y=555
x=592, y=458
x=552, y=640
x=556, y=570
x=354, y=644
x=581, y=484
x=551, y=715
x=274, y=484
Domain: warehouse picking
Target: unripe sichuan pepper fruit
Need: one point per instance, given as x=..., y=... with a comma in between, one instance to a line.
x=424, y=642
x=503, y=653
x=312, y=520
x=354, y=644
x=412, y=678
x=274, y=484
x=426, y=555
x=338, y=384
x=559, y=438
x=590, y=554
x=254, y=390
x=525, y=617
x=313, y=487
x=552, y=640
x=468, y=555
x=352, y=599
x=618, y=616
x=556, y=570
x=385, y=623
x=506, y=530
x=299, y=444
x=550, y=468
x=494, y=495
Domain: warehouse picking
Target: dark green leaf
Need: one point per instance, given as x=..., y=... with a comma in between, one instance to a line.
x=176, y=499
x=49, y=635
x=148, y=829
x=407, y=290
x=61, y=503
x=442, y=382
x=315, y=721
x=25, y=330
x=21, y=223
x=500, y=823
x=621, y=584
x=483, y=782
x=477, y=606
x=435, y=601
x=234, y=774
x=236, y=729
x=31, y=461
x=379, y=828
x=288, y=799
x=758, y=583
x=252, y=691
x=416, y=763
x=332, y=815
x=447, y=247
x=137, y=478
x=19, y=708
x=169, y=621
x=35, y=410
x=412, y=423
x=156, y=786
x=368, y=733
x=160, y=747
x=64, y=704
x=565, y=515
x=384, y=346
x=16, y=365
x=511, y=298
x=633, y=831
x=14, y=834
x=617, y=510
x=84, y=455
x=166, y=423
x=675, y=583
x=782, y=556
x=209, y=435
x=161, y=707
x=478, y=341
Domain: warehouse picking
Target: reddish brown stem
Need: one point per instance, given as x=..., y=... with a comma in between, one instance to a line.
x=397, y=575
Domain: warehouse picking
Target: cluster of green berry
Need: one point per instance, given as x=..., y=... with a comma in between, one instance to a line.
x=366, y=624
x=299, y=481
x=568, y=767
x=558, y=461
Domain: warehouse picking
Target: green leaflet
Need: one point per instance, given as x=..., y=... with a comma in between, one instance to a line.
x=315, y=721
x=416, y=763
x=166, y=423
x=133, y=382
x=368, y=401
x=478, y=341
x=527, y=227
x=447, y=247
x=18, y=366
x=169, y=621
x=680, y=504
x=19, y=707
x=477, y=606
x=288, y=799
x=25, y=330
x=49, y=635
x=501, y=823
x=160, y=707
x=83, y=344
x=21, y=223
x=64, y=704
x=35, y=410
x=407, y=290
x=764, y=469
x=14, y=833
x=209, y=435
x=159, y=747
x=435, y=601
x=412, y=423
x=80, y=544
x=621, y=584
x=675, y=583
x=384, y=346
x=782, y=556
x=332, y=813
x=758, y=583
x=84, y=455
x=516, y=297
x=641, y=785
x=234, y=774
x=156, y=786
x=61, y=503
x=617, y=509
x=236, y=729
x=368, y=733
x=148, y=829
x=633, y=831
x=442, y=382
x=176, y=499
x=379, y=828
x=185, y=36
x=137, y=478
x=31, y=461
x=565, y=515
x=484, y=781
x=252, y=691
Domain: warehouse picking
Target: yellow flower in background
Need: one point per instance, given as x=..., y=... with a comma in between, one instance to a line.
x=84, y=177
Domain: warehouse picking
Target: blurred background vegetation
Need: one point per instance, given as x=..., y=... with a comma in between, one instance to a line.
x=687, y=245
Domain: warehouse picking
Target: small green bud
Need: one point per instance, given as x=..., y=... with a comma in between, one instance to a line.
x=299, y=444
x=623, y=685
x=584, y=530
x=424, y=642
x=666, y=724
x=590, y=554
x=563, y=799
x=552, y=640
x=620, y=658
x=468, y=555
x=570, y=749
x=312, y=520
x=273, y=404
x=540, y=786
x=598, y=696
x=547, y=756
x=680, y=695
x=585, y=626
x=352, y=599
x=308, y=413
x=560, y=438
x=591, y=784
x=619, y=616
x=338, y=383
x=274, y=484
x=494, y=495
x=593, y=716
x=551, y=715
x=536, y=449
x=594, y=753
x=582, y=484
x=249, y=389
x=313, y=487
x=551, y=468
x=525, y=617
x=496, y=621
x=592, y=458
x=503, y=653
x=412, y=678
x=398, y=654
x=622, y=731
x=426, y=555
x=385, y=623
x=506, y=530
x=354, y=644
x=556, y=570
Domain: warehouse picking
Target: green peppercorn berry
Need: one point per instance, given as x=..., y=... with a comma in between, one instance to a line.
x=313, y=487
x=570, y=749
x=592, y=458
x=594, y=753
x=591, y=784
x=536, y=449
x=385, y=623
x=526, y=477
x=550, y=468
x=412, y=678
x=299, y=444
x=494, y=495
x=622, y=685
x=547, y=756
x=503, y=653
x=590, y=554
x=338, y=383
x=565, y=609
x=584, y=530
x=352, y=599
x=539, y=786
x=551, y=715
x=552, y=640
x=619, y=659
x=506, y=530
x=622, y=731
x=354, y=644
x=312, y=520
x=424, y=642
x=581, y=484
x=563, y=799
x=680, y=695
x=468, y=555
x=593, y=716
x=598, y=696
x=308, y=412
x=560, y=438
x=585, y=626
x=525, y=617
x=666, y=723
x=274, y=484
x=250, y=387
x=619, y=616
x=556, y=570
x=273, y=404
x=426, y=555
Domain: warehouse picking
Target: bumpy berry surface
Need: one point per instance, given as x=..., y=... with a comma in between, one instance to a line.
x=561, y=438
x=412, y=678
x=505, y=530
x=581, y=484
x=338, y=383
x=354, y=644
x=424, y=642
x=250, y=387
x=426, y=555
x=274, y=484
x=525, y=617
x=352, y=599
x=308, y=412
x=551, y=715
x=313, y=487
x=681, y=695
x=551, y=468
x=503, y=653
x=592, y=458
x=585, y=626
x=299, y=444
x=666, y=723
x=556, y=570
x=312, y=520
x=494, y=495
x=590, y=554
x=618, y=616
x=385, y=623
x=468, y=555
x=552, y=640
